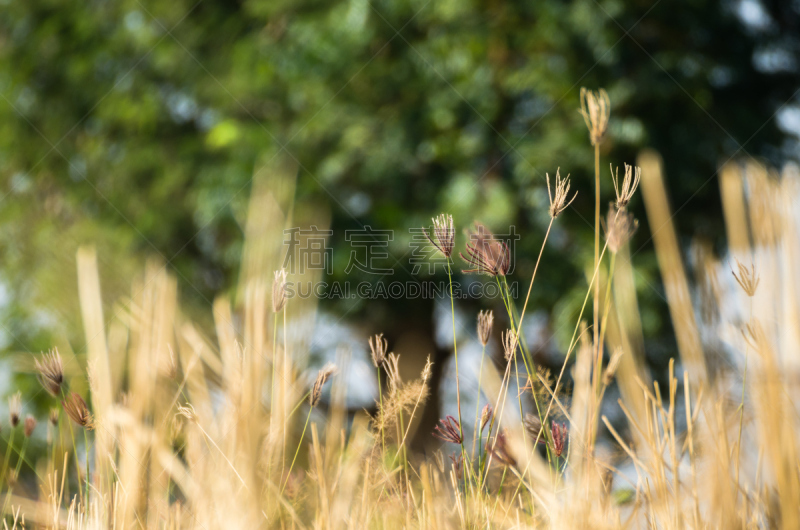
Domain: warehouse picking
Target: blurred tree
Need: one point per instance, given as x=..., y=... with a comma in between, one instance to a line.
x=137, y=125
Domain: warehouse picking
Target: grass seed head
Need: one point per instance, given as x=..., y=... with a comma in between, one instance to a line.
x=486, y=416
x=487, y=255
x=560, y=199
x=30, y=425
x=392, y=368
x=444, y=235
x=322, y=377
x=427, y=370
x=14, y=409
x=187, y=411
x=510, y=342
x=747, y=278
x=53, y=417
x=560, y=435
x=78, y=411
x=378, y=347
x=485, y=323
x=449, y=431
x=633, y=174
x=50, y=372
x=595, y=108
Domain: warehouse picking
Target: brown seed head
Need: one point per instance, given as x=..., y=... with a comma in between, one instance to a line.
x=444, y=235
x=633, y=174
x=747, y=279
x=560, y=199
x=510, y=342
x=30, y=425
x=485, y=323
x=378, y=347
x=487, y=255
x=595, y=108
x=560, y=437
x=50, y=372
x=279, y=291
x=449, y=430
x=53, y=417
x=78, y=411
x=486, y=416
x=322, y=377
x=14, y=409
x=620, y=227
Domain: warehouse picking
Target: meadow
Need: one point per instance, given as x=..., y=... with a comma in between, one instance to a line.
x=165, y=423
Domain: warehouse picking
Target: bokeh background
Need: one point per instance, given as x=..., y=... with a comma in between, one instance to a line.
x=137, y=126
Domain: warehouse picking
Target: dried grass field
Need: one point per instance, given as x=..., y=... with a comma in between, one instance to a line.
x=164, y=422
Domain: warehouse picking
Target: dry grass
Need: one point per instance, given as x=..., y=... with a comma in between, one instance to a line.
x=191, y=432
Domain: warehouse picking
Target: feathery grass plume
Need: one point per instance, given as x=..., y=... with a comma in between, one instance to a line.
x=509, y=344
x=402, y=398
x=486, y=415
x=53, y=417
x=747, y=279
x=534, y=427
x=595, y=108
x=560, y=435
x=29, y=426
x=14, y=409
x=427, y=370
x=633, y=174
x=487, y=255
x=78, y=411
x=378, y=346
x=449, y=431
x=485, y=323
x=620, y=226
x=279, y=291
x=500, y=450
x=613, y=364
x=322, y=377
x=50, y=372
x=560, y=199
x=444, y=234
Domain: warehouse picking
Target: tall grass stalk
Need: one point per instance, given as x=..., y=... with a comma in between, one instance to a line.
x=458, y=387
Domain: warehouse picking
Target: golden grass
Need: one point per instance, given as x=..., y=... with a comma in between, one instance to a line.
x=198, y=432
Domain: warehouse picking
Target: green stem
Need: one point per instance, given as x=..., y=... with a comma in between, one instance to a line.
x=16, y=473
x=8, y=452
x=478, y=403
x=458, y=388
x=299, y=444
x=77, y=461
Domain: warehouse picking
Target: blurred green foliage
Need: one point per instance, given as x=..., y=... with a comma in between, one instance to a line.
x=136, y=125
